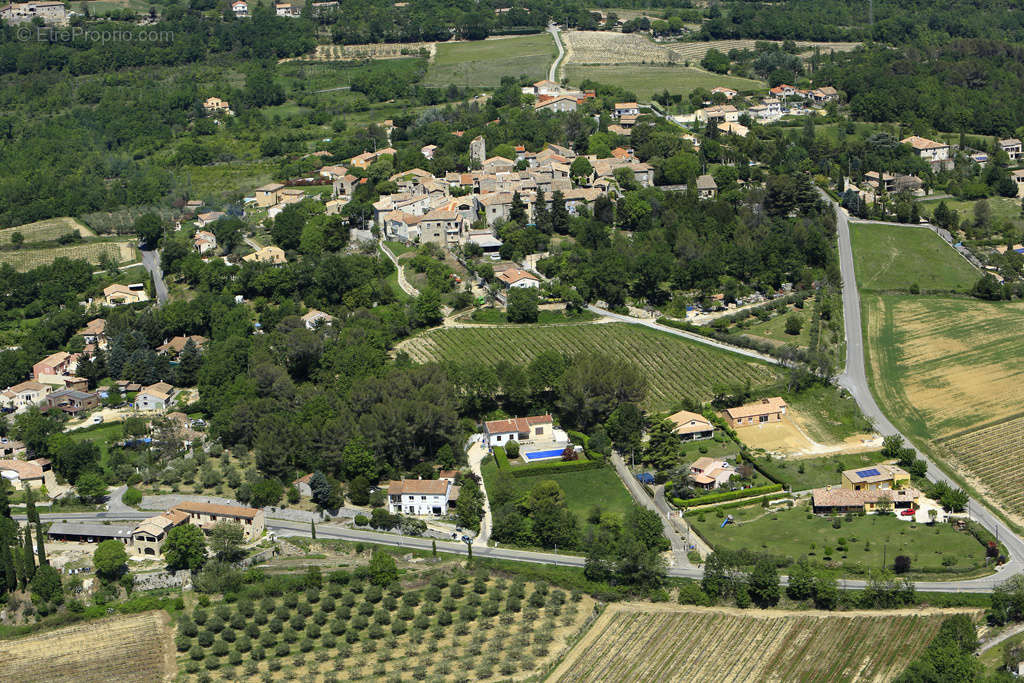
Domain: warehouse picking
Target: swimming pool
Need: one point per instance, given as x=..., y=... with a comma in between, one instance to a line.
x=544, y=455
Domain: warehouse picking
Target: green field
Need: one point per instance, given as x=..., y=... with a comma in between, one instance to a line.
x=583, y=490
x=828, y=414
x=812, y=473
x=647, y=79
x=484, y=62
x=1002, y=208
x=26, y=259
x=675, y=367
x=888, y=257
x=869, y=538
x=775, y=328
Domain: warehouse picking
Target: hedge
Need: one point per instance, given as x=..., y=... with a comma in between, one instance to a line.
x=555, y=467
x=757, y=466
x=580, y=438
x=500, y=458
x=727, y=495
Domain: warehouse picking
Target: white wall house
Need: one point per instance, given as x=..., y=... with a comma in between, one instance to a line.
x=536, y=427
x=421, y=496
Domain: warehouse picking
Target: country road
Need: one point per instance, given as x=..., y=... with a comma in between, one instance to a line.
x=402, y=282
x=151, y=261
x=553, y=71
x=854, y=379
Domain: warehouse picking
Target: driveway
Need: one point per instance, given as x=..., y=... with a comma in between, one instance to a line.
x=679, y=547
x=476, y=454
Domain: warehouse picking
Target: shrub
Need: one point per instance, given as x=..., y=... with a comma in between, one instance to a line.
x=306, y=645
x=282, y=650
x=205, y=638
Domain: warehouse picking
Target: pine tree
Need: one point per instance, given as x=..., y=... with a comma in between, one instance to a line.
x=40, y=548
x=28, y=560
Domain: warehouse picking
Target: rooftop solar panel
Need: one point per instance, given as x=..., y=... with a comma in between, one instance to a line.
x=863, y=474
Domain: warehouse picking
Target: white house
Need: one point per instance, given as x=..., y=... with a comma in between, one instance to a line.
x=516, y=278
x=204, y=241
x=154, y=397
x=1012, y=147
x=708, y=473
x=240, y=8
x=929, y=150
x=314, y=318
x=421, y=496
x=625, y=109
x=500, y=432
x=25, y=395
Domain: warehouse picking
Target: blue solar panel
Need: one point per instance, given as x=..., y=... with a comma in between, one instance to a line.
x=863, y=474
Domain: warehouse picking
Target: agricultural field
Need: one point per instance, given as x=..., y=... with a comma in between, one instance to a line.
x=45, y=231
x=774, y=329
x=348, y=53
x=809, y=473
x=26, y=259
x=136, y=647
x=993, y=456
x=695, y=51
x=637, y=642
x=947, y=372
x=122, y=221
x=437, y=626
x=888, y=257
x=860, y=544
x=675, y=367
x=482, y=63
x=644, y=80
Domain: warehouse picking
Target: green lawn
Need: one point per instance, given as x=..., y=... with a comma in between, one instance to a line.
x=583, y=490
x=888, y=257
x=647, y=79
x=830, y=415
x=1002, y=208
x=398, y=248
x=812, y=473
x=484, y=62
x=775, y=328
x=102, y=435
x=789, y=533
x=675, y=368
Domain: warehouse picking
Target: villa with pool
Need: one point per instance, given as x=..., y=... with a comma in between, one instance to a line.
x=537, y=436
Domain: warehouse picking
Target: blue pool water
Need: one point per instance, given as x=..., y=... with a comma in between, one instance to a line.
x=543, y=455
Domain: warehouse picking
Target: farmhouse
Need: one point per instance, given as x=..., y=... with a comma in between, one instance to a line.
x=94, y=332
x=691, y=426
x=929, y=150
x=116, y=295
x=875, y=477
x=728, y=92
x=215, y=104
x=514, y=278
x=707, y=188
x=562, y=103
x=154, y=397
x=764, y=411
x=500, y=432
x=709, y=473
x=272, y=254
x=206, y=515
x=421, y=496
x=266, y=196
x=20, y=12
x=204, y=241
x=721, y=113
x=836, y=500
x=824, y=94
x=625, y=109
x=177, y=344
x=302, y=485
x=151, y=533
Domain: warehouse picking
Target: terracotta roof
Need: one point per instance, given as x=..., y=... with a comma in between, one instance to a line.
x=840, y=497
x=161, y=390
x=55, y=359
x=920, y=143
x=763, y=407
x=304, y=479
x=689, y=423
x=177, y=344
x=447, y=474
x=516, y=424
x=25, y=470
x=425, y=487
x=26, y=386
x=626, y=105
x=514, y=275
x=95, y=326
x=215, y=509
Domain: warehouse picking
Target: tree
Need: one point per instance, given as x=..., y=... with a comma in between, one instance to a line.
x=382, y=569
x=625, y=426
x=594, y=384
x=149, y=230
x=764, y=584
x=801, y=581
x=90, y=486
x=794, y=323
x=226, y=539
x=17, y=239
x=359, y=490
x=469, y=508
x=40, y=546
x=901, y=565
x=581, y=170
x=357, y=460
x=185, y=548
x=266, y=491
x=110, y=560
x=46, y=583
x=522, y=305
x=826, y=592
x=321, y=489
x=312, y=529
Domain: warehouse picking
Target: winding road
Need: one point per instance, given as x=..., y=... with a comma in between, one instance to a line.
x=151, y=261
x=552, y=72
x=402, y=282
x=854, y=379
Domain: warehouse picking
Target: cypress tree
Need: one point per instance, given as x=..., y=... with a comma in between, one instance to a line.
x=30, y=505
x=312, y=529
x=10, y=573
x=28, y=560
x=5, y=501
x=40, y=548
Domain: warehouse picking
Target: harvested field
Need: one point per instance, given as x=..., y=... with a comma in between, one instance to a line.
x=675, y=368
x=482, y=63
x=950, y=373
x=43, y=231
x=694, y=52
x=27, y=259
x=666, y=643
x=138, y=647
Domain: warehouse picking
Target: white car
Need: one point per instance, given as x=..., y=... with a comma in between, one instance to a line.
x=97, y=419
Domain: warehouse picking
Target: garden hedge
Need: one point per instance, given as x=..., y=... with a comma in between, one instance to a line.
x=500, y=458
x=726, y=496
x=555, y=467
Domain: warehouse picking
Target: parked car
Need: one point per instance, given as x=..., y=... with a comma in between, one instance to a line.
x=97, y=419
x=909, y=512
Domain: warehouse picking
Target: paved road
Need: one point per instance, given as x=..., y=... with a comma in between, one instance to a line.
x=1008, y=633
x=854, y=379
x=476, y=454
x=688, y=335
x=402, y=282
x=553, y=30
x=679, y=558
x=151, y=261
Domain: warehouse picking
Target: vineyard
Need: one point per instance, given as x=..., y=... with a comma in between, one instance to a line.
x=27, y=259
x=348, y=53
x=44, y=231
x=450, y=627
x=122, y=221
x=127, y=648
x=675, y=368
x=648, y=643
x=995, y=456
